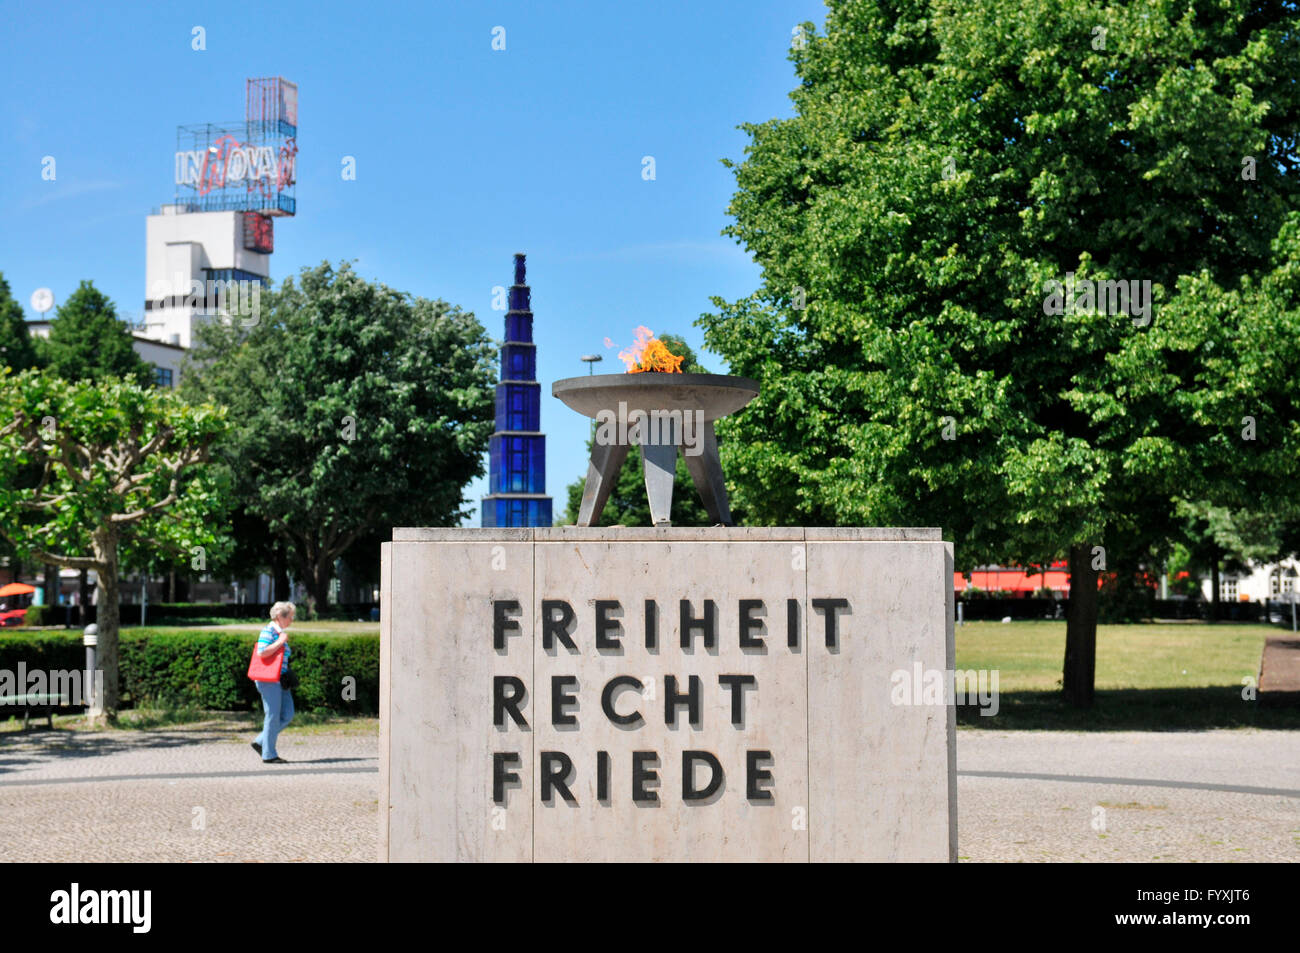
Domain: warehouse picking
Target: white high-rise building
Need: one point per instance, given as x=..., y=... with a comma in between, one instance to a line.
x=199, y=265
x=208, y=254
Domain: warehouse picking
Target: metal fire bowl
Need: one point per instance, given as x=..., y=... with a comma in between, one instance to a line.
x=716, y=395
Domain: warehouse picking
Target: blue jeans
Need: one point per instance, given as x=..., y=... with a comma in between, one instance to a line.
x=278, y=704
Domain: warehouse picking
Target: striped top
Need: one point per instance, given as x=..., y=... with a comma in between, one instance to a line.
x=269, y=635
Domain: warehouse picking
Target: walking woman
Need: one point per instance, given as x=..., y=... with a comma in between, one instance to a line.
x=274, y=687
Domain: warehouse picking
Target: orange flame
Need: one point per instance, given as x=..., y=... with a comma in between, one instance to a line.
x=648, y=353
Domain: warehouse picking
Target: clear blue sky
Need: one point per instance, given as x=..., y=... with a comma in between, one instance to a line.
x=464, y=155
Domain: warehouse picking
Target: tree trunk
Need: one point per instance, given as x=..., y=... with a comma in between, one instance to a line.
x=83, y=596
x=1081, y=629
x=106, y=597
x=318, y=586
x=279, y=576
x=1214, y=591
x=51, y=586
x=171, y=587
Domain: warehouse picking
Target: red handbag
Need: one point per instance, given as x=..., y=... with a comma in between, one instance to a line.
x=265, y=669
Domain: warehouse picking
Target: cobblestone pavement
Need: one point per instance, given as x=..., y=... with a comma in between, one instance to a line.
x=199, y=793
x=1245, y=805
x=188, y=793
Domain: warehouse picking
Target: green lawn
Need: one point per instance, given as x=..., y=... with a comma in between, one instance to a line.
x=302, y=627
x=1176, y=655
x=1176, y=675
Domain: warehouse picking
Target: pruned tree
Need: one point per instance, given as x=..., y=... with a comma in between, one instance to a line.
x=90, y=472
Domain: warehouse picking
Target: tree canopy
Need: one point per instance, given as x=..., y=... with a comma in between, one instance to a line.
x=95, y=473
x=89, y=342
x=16, y=350
x=950, y=170
x=355, y=405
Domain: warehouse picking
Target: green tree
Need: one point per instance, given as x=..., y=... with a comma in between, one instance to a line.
x=628, y=504
x=16, y=350
x=945, y=163
x=1216, y=539
x=89, y=342
x=18, y=354
x=357, y=408
x=113, y=471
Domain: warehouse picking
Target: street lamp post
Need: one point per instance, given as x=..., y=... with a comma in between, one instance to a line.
x=590, y=360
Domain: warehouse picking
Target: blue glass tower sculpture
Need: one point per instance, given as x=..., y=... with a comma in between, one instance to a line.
x=517, y=481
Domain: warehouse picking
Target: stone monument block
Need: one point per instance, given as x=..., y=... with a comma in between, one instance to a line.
x=665, y=694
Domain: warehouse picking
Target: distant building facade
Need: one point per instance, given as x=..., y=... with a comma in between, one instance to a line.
x=201, y=265
x=208, y=253
x=1275, y=582
x=166, y=359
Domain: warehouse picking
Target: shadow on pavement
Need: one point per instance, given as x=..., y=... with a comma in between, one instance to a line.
x=26, y=748
x=1147, y=709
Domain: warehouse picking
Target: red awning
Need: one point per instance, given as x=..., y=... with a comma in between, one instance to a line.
x=1012, y=579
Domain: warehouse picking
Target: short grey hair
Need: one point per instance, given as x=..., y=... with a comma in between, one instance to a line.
x=281, y=609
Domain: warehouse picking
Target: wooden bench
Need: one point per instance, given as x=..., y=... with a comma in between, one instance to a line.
x=43, y=702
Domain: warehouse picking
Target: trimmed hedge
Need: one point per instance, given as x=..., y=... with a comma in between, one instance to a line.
x=163, y=612
x=986, y=607
x=50, y=651
x=992, y=608
x=210, y=669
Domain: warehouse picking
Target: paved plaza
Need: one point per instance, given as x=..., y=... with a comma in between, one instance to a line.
x=1182, y=796
x=188, y=793
x=198, y=793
